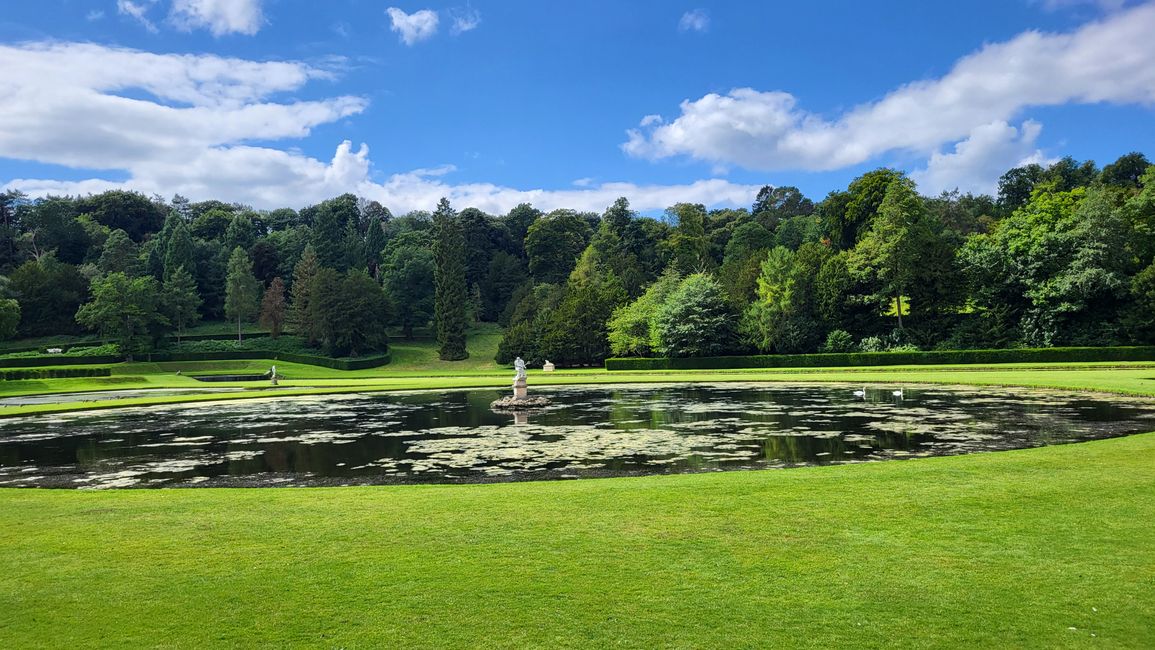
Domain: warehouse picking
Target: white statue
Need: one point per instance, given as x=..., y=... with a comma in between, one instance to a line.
x=519, y=366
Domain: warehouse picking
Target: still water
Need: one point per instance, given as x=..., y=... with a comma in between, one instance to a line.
x=588, y=431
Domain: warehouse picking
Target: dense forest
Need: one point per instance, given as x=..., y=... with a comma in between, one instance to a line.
x=1062, y=256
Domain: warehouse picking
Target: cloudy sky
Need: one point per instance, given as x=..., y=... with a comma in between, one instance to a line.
x=492, y=103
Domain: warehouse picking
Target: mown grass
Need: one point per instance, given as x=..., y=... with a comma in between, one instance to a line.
x=1039, y=548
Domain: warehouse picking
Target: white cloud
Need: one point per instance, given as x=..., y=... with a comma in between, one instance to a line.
x=94, y=15
x=137, y=11
x=465, y=19
x=976, y=162
x=218, y=16
x=193, y=135
x=1106, y=61
x=415, y=27
x=694, y=21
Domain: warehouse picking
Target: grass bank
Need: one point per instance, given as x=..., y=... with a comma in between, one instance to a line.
x=1048, y=548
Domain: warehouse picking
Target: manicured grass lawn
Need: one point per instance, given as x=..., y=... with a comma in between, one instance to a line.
x=1007, y=549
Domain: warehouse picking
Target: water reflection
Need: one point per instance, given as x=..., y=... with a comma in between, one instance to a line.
x=588, y=431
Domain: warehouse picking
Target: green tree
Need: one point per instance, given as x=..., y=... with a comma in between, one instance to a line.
x=518, y=222
x=696, y=320
x=179, y=250
x=180, y=302
x=123, y=309
x=351, y=312
x=553, y=244
x=891, y=249
x=575, y=334
x=632, y=328
x=242, y=289
x=9, y=318
x=300, y=310
x=450, y=295
x=120, y=255
x=131, y=212
x=49, y=293
x=407, y=270
x=689, y=247
x=375, y=245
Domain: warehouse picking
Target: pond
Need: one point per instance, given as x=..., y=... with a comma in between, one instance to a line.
x=589, y=431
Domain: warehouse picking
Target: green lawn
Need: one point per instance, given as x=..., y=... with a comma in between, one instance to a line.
x=1008, y=549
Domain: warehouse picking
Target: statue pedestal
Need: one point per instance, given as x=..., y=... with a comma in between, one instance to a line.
x=519, y=390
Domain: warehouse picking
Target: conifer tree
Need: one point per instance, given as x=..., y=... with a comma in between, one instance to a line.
x=299, y=316
x=180, y=301
x=450, y=296
x=242, y=289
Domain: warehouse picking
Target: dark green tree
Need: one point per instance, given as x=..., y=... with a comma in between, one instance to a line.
x=450, y=293
x=49, y=293
x=553, y=244
x=301, y=306
x=407, y=271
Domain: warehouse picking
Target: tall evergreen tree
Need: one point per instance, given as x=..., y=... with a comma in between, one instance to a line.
x=242, y=290
x=180, y=301
x=374, y=244
x=450, y=295
x=300, y=314
x=179, y=250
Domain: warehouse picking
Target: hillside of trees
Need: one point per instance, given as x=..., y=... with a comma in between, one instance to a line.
x=1062, y=256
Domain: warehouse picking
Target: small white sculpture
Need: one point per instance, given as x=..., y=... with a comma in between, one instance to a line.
x=519, y=366
x=547, y=366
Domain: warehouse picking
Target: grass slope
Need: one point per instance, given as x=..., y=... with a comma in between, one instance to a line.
x=1005, y=549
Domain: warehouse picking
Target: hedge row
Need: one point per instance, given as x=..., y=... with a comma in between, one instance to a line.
x=1024, y=355
x=53, y=373
x=58, y=360
x=360, y=363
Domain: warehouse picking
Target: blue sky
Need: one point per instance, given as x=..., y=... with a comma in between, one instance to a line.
x=561, y=105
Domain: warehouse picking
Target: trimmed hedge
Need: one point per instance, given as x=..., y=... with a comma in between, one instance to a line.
x=53, y=373
x=359, y=363
x=936, y=357
x=58, y=360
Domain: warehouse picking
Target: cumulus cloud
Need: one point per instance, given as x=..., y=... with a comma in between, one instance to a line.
x=218, y=16
x=465, y=19
x=415, y=27
x=694, y=21
x=982, y=157
x=193, y=131
x=1104, y=61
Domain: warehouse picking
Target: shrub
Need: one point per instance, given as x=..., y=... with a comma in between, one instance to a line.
x=838, y=341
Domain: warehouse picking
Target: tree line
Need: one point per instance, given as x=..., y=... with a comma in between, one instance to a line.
x=1061, y=256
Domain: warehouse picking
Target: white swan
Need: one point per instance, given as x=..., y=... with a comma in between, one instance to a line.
x=897, y=393
x=861, y=393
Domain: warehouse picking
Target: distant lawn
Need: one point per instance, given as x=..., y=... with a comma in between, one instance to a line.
x=421, y=355
x=1035, y=548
